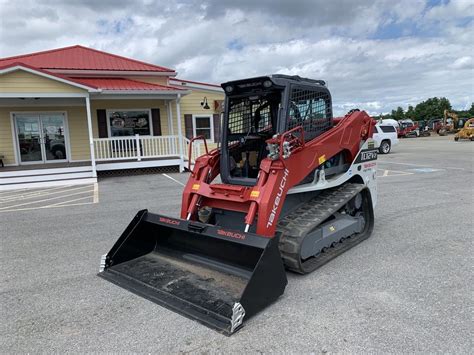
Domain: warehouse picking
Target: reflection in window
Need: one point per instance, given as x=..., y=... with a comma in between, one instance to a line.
x=203, y=126
x=129, y=123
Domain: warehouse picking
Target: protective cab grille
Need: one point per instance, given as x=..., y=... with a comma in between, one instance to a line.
x=242, y=115
x=310, y=109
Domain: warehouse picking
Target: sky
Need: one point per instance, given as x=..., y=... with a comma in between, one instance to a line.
x=374, y=54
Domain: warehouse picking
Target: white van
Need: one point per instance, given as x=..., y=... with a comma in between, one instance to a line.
x=385, y=137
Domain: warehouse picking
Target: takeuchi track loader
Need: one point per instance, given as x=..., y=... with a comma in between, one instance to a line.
x=297, y=188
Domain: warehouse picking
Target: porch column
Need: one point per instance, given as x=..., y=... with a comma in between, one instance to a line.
x=170, y=118
x=91, y=138
x=180, y=133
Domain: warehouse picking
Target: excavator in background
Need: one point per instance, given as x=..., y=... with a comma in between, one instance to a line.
x=467, y=132
x=450, y=123
x=297, y=188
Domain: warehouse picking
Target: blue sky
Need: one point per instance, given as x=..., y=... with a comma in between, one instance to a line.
x=375, y=54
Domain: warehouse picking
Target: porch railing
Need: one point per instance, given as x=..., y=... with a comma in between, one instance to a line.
x=144, y=147
x=136, y=147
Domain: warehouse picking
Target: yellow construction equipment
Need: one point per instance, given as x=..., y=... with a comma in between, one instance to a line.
x=467, y=132
x=449, y=127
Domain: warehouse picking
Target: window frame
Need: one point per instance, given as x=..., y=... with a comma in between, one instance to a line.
x=211, y=123
x=109, y=111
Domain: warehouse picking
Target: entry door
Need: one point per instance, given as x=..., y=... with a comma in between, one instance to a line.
x=41, y=138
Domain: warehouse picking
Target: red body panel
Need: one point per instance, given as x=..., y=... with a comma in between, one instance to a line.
x=265, y=199
x=403, y=131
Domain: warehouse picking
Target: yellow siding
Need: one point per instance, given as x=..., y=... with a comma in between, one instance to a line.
x=21, y=81
x=191, y=104
x=6, y=138
x=78, y=133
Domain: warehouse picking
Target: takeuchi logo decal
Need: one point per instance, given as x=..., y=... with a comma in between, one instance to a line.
x=277, y=201
x=169, y=221
x=231, y=234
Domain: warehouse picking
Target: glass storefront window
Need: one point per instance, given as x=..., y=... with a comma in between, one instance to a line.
x=128, y=123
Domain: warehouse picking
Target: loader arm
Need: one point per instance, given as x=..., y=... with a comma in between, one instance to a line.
x=276, y=177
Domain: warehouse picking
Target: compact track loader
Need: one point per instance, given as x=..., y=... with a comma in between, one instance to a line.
x=297, y=188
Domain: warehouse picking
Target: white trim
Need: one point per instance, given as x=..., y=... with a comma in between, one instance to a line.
x=49, y=177
x=170, y=118
x=184, y=84
x=150, y=123
x=57, y=95
x=180, y=132
x=13, y=127
x=138, y=164
x=33, y=185
x=45, y=75
x=16, y=144
x=80, y=160
x=43, y=102
x=138, y=96
x=92, y=73
x=211, y=122
x=90, y=134
x=45, y=171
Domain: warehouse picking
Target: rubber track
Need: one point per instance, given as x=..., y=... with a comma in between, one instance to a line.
x=294, y=227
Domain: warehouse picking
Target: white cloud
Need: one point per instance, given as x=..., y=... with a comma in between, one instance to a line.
x=332, y=40
x=463, y=63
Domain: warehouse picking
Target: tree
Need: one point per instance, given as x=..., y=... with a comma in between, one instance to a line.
x=398, y=114
x=410, y=113
x=432, y=108
x=471, y=110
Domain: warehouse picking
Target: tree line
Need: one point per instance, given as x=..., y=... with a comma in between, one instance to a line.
x=428, y=109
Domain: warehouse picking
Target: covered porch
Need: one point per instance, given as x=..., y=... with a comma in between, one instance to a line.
x=83, y=153
x=54, y=128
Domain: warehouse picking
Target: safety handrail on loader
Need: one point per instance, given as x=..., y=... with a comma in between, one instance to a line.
x=190, y=150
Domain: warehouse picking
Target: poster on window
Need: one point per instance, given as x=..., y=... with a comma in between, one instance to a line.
x=129, y=123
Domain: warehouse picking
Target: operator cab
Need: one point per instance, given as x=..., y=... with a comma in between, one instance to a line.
x=258, y=108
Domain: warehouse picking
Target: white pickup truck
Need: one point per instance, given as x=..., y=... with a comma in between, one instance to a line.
x=385, y=137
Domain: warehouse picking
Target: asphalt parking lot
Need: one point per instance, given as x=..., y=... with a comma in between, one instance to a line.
x=406, y=289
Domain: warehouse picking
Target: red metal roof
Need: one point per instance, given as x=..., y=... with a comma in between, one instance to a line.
x=82, y=58
x=123, y=84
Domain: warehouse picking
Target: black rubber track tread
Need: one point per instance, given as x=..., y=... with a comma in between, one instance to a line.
x=294, y=227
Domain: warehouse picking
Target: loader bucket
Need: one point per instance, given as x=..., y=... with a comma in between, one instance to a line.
x=204, y=272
